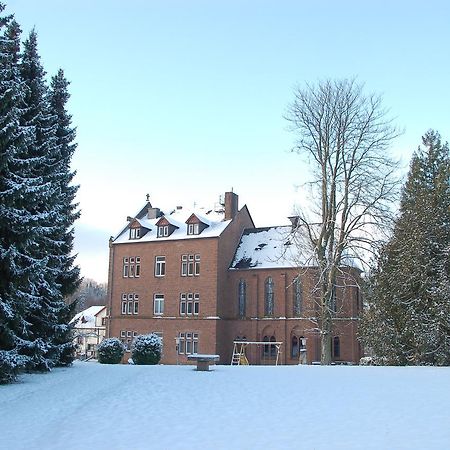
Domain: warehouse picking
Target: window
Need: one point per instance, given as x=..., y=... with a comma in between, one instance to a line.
x=297, y=345
x=268, y=297
x=126, y=336
x=269, y=350
x=158, y=304
x=190, y=265
x=242, y=297
x=163, y=231
x=137, y=270
x=130, y=304
x=197, y=265
x=131, y=267
x=184, y=265
x=189, y=304
x=182, y=304
x=193, y=228
x=297, y=296
x=103, y=321
x=196, y=304
x=336, y=347
x=135, y=233
x=160, y=266
x=187, y=343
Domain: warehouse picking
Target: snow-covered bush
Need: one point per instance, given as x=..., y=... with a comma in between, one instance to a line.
x=146, y=349
x=110, y=351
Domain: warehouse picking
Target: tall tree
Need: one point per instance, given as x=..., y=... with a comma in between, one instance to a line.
x=408, y=316
x=54, y=241
x=345, y=135
x=19, y=187
x=67, y=274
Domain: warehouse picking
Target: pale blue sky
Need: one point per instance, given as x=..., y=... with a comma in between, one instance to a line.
x=185, y=100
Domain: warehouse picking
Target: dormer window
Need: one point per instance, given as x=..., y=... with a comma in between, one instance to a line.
x=195, y=225
x=163, y=231
x=135, y=233
x=193, y=228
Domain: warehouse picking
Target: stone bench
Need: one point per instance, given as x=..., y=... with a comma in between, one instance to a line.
x=203, y=361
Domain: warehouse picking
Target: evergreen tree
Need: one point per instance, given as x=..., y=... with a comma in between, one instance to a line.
x=408, y=316
x=54, y=207
x=19, y=187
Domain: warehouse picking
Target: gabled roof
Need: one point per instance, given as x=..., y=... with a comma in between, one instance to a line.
x=86, y=318
x=199, y=219
x=178, y=218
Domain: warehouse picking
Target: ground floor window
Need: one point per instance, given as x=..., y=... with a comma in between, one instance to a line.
x=269, y=350
x=336, y=347
x=127, y=336
x=187, y=343
x=298, y=343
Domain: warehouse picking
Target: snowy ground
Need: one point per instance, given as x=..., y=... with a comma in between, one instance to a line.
x=175, y=407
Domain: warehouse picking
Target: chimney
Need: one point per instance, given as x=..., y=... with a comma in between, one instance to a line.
x=153, y=213
x=231, y=205
x=294, y=221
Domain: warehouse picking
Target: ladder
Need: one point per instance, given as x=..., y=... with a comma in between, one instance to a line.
x=239, y=358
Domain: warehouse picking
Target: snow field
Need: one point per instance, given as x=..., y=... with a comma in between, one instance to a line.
x=175, y=407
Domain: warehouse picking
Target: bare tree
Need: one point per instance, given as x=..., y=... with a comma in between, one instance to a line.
x=345, y=136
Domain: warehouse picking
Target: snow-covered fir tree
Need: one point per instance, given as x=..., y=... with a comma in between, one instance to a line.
x=408, y=296
x=54, y=207
x=20, y=273
x=37, y=212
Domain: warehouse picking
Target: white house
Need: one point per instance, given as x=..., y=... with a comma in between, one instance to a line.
x=89, y=331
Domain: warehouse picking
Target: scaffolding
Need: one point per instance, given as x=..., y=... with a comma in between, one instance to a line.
x=239, y=357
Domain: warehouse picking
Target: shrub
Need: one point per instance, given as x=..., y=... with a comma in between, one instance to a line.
x=110, y=351
x=146, y=349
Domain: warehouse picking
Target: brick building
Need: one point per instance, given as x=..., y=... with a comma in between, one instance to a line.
x=204, y=279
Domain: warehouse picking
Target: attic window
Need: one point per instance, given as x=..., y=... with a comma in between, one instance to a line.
x=163, y=231
x=193, y=228
x=135, y=233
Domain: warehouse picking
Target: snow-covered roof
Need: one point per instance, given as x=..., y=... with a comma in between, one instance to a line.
x=178, y=218
x=271, y=247
x=86, y=318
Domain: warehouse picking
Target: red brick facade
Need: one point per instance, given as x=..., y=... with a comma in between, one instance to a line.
x=181, y=286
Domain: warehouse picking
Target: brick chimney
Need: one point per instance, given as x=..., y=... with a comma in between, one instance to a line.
x=231, y=205
x=153, y=213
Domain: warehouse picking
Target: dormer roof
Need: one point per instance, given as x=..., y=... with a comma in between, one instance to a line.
x=213, y=220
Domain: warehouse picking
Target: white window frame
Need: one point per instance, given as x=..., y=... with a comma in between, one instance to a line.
x=184, y=265
x=197, y=265
x=158, y=304
x=137, y=267
x=163, y=231
x=125, y=269
x=196, y=308
x=160, y=266
x=182, y=304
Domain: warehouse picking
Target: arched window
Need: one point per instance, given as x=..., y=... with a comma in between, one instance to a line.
x=298, y=343
x=294, y=347
x=297, y=296
x=336, y=347
x=268, y=297
x=242, y=297
x=269, y=350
